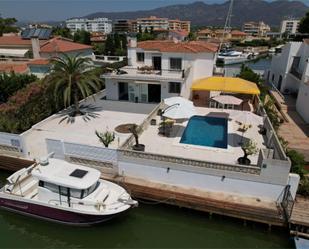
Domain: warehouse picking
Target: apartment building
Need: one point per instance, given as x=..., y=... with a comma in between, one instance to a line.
x=160, y=69
x=258, y=29
x=152, y=22
x=103, y=25
x=289, y=26
x=179, y=25
x=123, y=26
x=289, y=73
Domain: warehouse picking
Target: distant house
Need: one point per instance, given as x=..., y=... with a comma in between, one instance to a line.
x=179, y=35
x=59, y=45
x=204, y=34
x=23, y=55
x=160, y=69
x=237, y=35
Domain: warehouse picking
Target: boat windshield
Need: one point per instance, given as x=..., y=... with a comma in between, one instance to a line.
x=90, y=190
x=74, y=193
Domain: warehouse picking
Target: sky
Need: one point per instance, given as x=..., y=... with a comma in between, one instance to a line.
x=58, y=10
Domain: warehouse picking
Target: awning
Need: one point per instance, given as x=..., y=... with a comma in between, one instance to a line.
x=227, y=99
x=226, y=84
x=13, y=52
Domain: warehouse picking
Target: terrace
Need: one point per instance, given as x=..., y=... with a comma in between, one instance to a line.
x=170, y=145
x=146, y=73
x=101, y=115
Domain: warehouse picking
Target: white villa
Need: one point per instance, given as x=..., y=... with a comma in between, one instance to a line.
x=137, y=93
x=160, y=69
x=289, y=73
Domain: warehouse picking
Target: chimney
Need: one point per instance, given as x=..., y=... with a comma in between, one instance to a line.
x=35, y=42
x=132, y=42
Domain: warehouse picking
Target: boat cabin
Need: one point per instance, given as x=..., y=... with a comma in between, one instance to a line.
x=60, y=180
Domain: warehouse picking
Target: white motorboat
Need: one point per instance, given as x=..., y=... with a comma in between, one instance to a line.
x=59, y=191
x=228, y=57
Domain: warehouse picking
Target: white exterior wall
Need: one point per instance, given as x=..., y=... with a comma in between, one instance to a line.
x=111, y=89
x=281, y=64
x=290, y=26
x=205, y=181
x=302, y=102
x=83, y=53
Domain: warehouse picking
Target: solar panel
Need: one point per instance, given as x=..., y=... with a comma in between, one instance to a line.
x=41, y=33
x=79, y=173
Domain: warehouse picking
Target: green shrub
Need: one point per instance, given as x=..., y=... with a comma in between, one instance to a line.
x=27, y=107
x=298, y=163
x=11, y=83
x=303, y=188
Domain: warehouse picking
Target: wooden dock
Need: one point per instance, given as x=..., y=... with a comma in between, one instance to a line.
x=245, y=208
x=13, y=163
x=299, y=222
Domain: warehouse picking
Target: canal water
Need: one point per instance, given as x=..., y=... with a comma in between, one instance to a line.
x=259, y=66
x=148, y=226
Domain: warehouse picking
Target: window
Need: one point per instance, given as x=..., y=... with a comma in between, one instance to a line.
x=52, y=187
x=91, y=189
x=140, y=57
x=174, y=87
x=175, y=63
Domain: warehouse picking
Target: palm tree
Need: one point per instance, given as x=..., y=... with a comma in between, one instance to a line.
x=74, y=77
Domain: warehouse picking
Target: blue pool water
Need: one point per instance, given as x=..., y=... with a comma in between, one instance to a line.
x=206, y=131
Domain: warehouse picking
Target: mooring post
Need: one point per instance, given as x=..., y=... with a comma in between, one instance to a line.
x=269, y=227
x=210, y=216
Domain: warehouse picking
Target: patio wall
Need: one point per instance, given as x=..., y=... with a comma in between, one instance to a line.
x=11, y=144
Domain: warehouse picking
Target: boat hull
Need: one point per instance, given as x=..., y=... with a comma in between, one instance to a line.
x=53, y=213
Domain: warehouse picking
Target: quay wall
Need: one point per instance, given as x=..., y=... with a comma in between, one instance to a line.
x=266, y=183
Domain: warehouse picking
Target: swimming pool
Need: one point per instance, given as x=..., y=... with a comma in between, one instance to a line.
x=206, y=131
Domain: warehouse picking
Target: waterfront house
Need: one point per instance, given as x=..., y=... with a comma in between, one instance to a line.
x=289, y=74
x=160, y=69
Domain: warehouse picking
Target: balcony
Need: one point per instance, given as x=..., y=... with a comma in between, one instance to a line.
x=146, y=73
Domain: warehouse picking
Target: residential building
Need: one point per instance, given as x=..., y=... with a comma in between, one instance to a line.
x=289, y=73
x=237, y=35
x=289, y=26
x=204, y=34
x=178, y=35
x=32, y=55
x=179, y=25
x=160, y=69
x=258, y=29
x=103, y=25
x=151, y=22
x=123, y=26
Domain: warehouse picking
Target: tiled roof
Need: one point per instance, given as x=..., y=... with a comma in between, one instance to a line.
x=179, y=47
x=13, y=40
x=39, y=62
x=237, y=32
x=17, y=68
x=62, y=45
x=205, y=31
x=180, y=32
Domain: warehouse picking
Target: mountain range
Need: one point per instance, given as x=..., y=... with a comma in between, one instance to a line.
x=203, y=14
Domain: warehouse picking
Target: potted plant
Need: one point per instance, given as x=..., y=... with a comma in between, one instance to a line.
x=134, y=129
x=106, y=137
x=249, y=148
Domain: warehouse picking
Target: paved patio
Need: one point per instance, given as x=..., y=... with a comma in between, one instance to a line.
x=294, y=130
x=102, y=115
x=158, y=144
